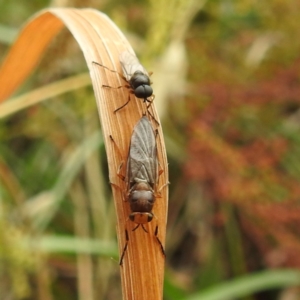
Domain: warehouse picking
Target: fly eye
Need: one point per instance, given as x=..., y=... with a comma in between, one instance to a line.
x=150, y=217
x=143, y=91
x=141, y=218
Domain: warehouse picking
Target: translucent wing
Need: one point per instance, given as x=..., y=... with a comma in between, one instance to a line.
x=142, y=162
x=130, y=64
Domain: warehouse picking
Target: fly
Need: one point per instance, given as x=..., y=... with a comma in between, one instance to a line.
x=142, y=172
x=142, y=178
x=136, y=76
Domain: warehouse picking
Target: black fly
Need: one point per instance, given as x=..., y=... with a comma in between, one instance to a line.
x=142, y=177
x=137, y=77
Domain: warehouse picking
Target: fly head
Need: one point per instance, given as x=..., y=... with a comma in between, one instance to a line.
x=141, y=218
x=143, y=91
x=140, y=83
x=139, y=78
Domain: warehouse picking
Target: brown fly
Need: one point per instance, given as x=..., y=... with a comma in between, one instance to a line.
x=136, y=76
x=142, y=177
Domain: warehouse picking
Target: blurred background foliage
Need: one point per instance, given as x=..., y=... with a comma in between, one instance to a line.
x=226, y=79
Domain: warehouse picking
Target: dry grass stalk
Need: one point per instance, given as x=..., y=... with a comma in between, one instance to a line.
x=101, y=41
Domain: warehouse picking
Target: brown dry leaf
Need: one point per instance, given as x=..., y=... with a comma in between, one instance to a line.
x=101, y=41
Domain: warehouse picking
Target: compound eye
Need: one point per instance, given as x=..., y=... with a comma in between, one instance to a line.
x=150, y=217
x=143, y=91
x=141, y=218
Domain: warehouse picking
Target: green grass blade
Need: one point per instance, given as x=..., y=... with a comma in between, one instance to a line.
x=250, y=284
x=70, y=244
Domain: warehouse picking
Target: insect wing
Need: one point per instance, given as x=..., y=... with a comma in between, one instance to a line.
x=142, y=161
x=130, y=64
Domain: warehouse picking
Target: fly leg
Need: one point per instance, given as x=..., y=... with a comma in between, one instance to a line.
x=122, y=86
x=129, y=98
x=118, y=149
x=111, y=87
x=150, y=101
x=138, y=225
x=118, y=87
x=98, y=64
x=125, y=247
x=120, y=189
x=159, y=173
x=119, y=174
x=159, y=242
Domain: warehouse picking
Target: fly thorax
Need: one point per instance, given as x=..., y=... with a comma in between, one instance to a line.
x=139, y=78
x=141, y=197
